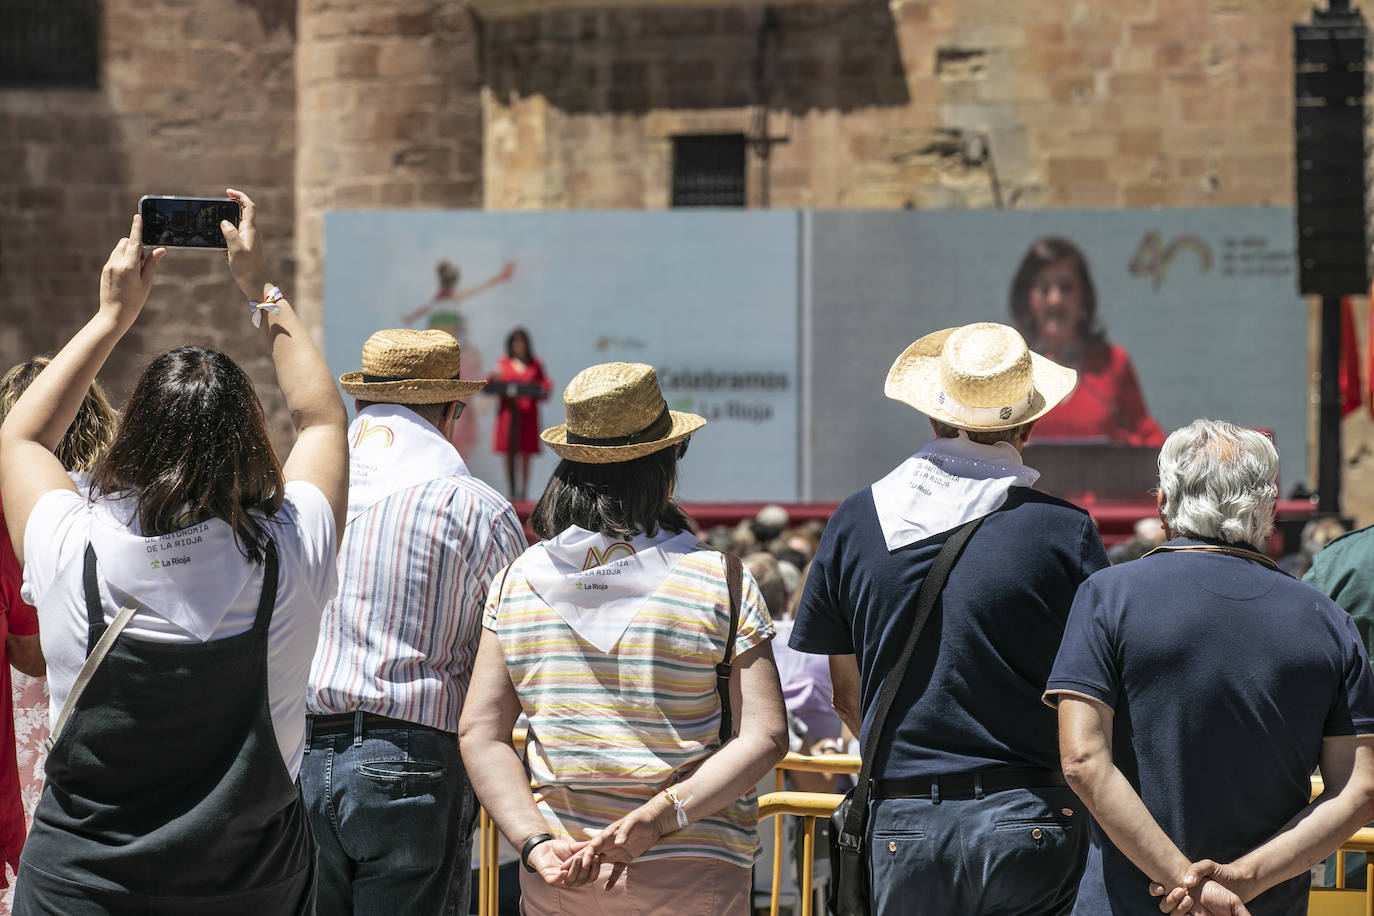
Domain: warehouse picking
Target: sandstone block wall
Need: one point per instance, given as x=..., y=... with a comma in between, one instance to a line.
x=193, y=97
x=909, y=103
x=389, y=114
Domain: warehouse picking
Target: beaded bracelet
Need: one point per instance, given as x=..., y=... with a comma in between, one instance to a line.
x=274, y=295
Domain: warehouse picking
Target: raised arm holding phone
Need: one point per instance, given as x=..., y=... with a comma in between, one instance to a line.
x=179, y=605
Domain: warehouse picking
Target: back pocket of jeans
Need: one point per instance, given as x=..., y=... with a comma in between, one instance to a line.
x=417, y=770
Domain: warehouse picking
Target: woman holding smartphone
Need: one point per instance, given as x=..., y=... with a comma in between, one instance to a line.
x=171, y=777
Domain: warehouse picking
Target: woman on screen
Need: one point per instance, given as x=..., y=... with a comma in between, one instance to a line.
x=1054, y=306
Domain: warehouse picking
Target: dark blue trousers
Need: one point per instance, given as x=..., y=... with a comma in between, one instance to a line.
x=1015, y=853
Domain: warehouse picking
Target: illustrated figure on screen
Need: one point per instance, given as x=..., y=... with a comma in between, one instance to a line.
x=442, y=310
x=521, y=382
x=1054, y=306
x=443, y=315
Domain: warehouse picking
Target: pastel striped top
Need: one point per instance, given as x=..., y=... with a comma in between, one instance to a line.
x=609, y=730
x=414, y=569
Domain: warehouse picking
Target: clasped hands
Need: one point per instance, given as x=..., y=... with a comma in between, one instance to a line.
x=567, y=863
x=1209, y=889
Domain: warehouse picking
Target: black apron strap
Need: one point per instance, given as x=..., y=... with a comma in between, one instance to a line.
x=95, y=612
x=268, y=600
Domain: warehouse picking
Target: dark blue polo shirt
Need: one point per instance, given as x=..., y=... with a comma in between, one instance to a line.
x=971, y=698
x=1224, y=675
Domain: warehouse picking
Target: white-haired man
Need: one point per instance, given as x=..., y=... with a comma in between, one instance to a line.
x=971, y=813
x=1197, y=689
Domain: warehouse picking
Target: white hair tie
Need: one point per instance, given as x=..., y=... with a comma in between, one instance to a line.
x=268, y=304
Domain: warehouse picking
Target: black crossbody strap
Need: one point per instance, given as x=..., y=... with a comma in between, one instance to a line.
x=929, y=593
x=734, y=581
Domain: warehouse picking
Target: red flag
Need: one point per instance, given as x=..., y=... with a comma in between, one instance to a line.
x=1352, y=393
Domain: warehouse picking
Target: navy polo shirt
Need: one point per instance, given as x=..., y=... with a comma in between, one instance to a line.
x=971, y=698
x=1224, y=675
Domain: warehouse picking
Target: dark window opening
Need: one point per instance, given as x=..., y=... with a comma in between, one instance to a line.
x=49, y=43
x=708, y=170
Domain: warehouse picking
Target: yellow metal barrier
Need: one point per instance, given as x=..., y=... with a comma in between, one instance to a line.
x=834, y=764
x=838, y=764
x=809, y=806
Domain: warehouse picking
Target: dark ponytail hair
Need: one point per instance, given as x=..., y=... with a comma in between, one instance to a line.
x=192, y=445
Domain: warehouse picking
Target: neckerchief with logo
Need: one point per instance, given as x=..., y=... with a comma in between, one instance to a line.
x=599, y=584
x=944, y=485
x=190, y=577
x=390, y=449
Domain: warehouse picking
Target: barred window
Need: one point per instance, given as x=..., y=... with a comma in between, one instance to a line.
x=708, y=170
x=49, y=43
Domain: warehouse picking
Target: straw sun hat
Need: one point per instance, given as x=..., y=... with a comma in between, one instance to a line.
x=616, y=412
x=401, y=366
x=978, y=377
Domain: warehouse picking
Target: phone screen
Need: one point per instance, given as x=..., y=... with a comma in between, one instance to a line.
x=186, y=222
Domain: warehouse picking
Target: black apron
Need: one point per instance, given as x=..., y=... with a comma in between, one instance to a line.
x=166, y=792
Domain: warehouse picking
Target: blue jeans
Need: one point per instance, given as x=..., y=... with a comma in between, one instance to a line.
x=1013, y=852
x=393, y=815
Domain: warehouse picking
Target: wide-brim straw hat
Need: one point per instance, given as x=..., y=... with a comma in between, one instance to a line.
x=978, y=377
x=401, y=366
x=616, y=412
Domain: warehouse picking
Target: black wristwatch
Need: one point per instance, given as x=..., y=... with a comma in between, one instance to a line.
x=529, y=848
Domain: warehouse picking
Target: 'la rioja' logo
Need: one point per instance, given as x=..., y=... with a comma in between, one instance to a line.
x=614, y=551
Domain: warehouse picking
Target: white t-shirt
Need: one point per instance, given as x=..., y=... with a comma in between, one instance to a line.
x=62, y=523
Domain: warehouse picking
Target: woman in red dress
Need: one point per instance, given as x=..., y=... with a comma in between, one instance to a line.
x=1054, y=306
x=520, y=376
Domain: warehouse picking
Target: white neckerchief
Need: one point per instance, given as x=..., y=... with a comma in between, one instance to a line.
x=390, y=449
x=598, y=584
x=190, y=577
x=947, y=483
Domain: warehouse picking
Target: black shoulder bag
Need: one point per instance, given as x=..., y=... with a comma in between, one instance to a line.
x=734, y=581
x=848, y=874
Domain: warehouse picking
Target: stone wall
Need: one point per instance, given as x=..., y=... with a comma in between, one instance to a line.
x=192, y=97
x=390, y=115
x=909, y=103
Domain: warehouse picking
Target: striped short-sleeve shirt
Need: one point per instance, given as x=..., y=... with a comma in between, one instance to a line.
x=609, y=730
x=414, y=569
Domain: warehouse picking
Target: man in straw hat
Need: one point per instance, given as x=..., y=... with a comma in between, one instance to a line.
x=388, y=798
x=971, y=814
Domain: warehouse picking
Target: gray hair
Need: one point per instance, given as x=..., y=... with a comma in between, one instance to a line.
x=1219, y=481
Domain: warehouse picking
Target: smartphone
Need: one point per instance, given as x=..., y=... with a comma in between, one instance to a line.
x=185, y=222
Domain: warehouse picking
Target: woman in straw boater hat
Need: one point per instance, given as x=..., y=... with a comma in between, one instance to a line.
x=638, y=780
x=171, y=773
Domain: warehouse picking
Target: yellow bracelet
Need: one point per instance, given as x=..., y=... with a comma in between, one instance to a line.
x=679, y=805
